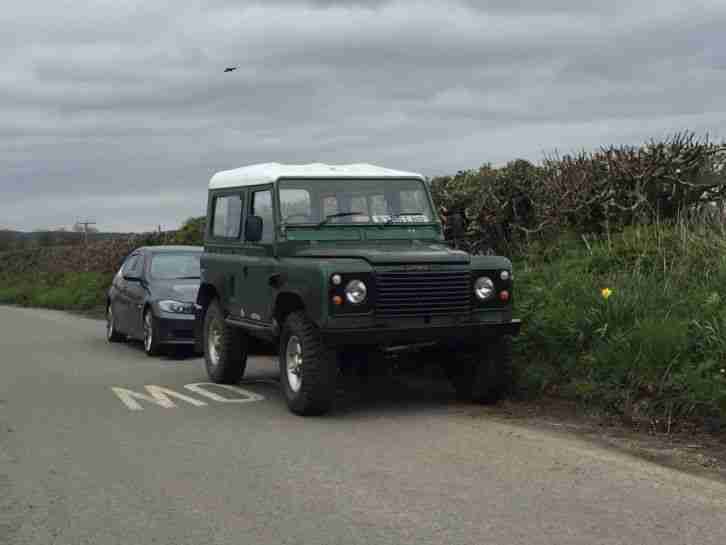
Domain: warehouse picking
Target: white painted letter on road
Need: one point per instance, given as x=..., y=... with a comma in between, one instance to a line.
x=200, y=388
x=158, y=396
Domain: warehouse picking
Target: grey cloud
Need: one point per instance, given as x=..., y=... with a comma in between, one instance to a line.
x=123, y=107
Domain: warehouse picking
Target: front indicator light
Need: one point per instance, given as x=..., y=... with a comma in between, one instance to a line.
x=504, y=295
x=337, y=300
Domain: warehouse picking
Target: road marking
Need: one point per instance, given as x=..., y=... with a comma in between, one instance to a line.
x=199, y=388
x=159, y=396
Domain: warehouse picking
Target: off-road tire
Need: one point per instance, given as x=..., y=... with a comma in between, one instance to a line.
x=319, y=371
x=484, y=374
x=112, y=333
x=232, y=348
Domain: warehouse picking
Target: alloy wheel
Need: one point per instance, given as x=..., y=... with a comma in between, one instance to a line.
x=110, y=329
x=294, y=362
x=148, y=331
x=214, y=342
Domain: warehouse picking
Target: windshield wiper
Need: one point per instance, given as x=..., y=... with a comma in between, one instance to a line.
x=338, y=215
x=402, y=214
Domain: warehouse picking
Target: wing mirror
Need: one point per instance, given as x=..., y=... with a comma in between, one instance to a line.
x=253, y=229
x=132, y=278
x=458, y=225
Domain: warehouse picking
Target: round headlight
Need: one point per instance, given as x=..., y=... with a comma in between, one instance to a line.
x=483, y=288
x=356, y=291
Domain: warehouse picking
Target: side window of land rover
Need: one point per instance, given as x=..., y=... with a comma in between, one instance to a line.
x=262, y=207
x=227, y=217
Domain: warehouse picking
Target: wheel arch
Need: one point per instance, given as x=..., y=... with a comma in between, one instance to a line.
x=207, y=293
x=285, y=303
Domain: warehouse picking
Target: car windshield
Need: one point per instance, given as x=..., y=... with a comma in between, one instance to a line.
x=175, y=266
x=332, y=202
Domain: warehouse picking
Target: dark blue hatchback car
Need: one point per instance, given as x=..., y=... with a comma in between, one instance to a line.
x=153, y=297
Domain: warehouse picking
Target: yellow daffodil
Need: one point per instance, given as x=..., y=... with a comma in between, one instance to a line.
x=606, y=293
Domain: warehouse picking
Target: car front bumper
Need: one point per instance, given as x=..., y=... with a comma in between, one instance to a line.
x=175, y=328
x=465, y=333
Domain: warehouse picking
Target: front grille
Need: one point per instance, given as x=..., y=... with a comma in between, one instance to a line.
x=422, y=293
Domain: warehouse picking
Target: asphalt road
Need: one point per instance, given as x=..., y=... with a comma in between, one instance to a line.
x=81, y=462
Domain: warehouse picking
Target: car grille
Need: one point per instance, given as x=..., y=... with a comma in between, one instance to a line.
x=422, y=293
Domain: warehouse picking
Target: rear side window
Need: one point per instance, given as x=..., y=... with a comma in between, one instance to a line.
x=133, y=266
x=175, y=266
x=262, y=207
x=227, y=216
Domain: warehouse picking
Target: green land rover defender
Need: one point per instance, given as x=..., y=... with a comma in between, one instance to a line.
x=333, y=263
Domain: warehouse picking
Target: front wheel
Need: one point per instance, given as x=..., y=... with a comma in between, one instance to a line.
x=225, y=347
x=308, y=369
x=484, y=374
x=152, y=346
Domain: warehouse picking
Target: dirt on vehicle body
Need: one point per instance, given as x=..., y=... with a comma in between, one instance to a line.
x=333, y=261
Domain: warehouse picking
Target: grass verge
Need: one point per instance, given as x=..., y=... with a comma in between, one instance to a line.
x=78, y=291
x=634, y=324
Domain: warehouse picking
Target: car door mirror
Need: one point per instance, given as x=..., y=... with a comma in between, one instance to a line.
x=132, y=277
x=253, y=229
x=458, y=225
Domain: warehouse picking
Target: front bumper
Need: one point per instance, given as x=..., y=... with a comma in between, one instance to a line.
x=175, y=328
x=465, y=333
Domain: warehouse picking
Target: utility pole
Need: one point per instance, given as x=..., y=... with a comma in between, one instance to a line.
x=85, y=224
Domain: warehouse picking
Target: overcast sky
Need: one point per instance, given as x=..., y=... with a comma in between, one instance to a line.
x=120, y=110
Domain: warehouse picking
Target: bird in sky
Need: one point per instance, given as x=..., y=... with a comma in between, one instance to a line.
x=230, y=69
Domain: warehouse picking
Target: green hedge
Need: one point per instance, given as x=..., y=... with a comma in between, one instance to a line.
x=506, y=208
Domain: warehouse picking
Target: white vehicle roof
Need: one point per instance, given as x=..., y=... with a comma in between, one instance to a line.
x=265, y=173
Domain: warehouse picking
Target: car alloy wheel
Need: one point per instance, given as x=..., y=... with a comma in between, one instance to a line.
x=294, y=362
x=148, y=332
x=110, y=328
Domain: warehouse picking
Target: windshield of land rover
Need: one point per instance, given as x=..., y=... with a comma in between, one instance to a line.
x=335, y=202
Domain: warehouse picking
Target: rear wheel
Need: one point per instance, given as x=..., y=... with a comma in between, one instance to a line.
x=225, y=347
x=484, y=374
x=308, y=369
x=112, y=334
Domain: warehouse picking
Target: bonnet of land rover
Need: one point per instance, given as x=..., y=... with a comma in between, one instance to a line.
x=343, y=263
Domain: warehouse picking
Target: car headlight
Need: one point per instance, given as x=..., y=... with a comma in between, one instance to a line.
x=356, y=292
x=483, y=288
x=176, y=307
